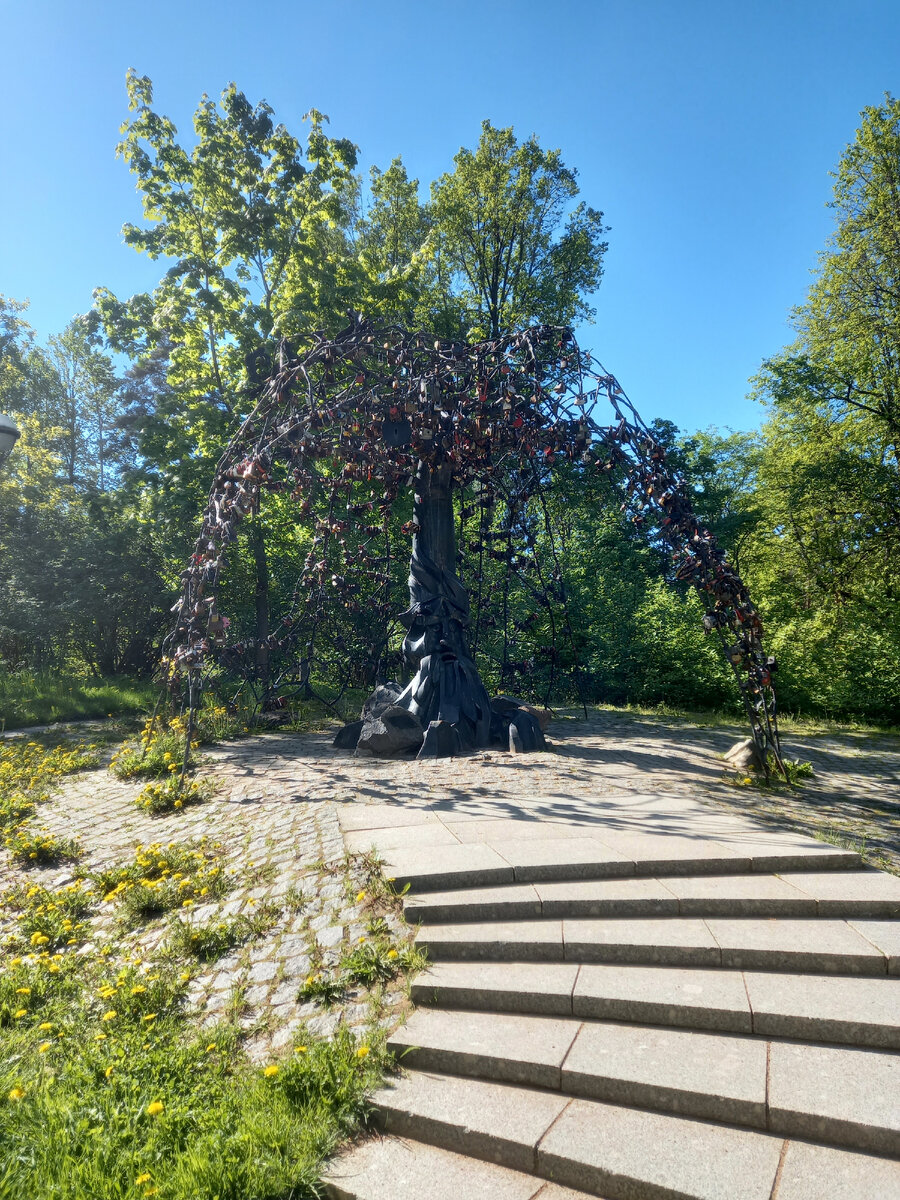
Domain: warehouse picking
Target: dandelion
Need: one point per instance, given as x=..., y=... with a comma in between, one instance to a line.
x=144, y=1177
x=108, y=1072
x=155, y=1108
x=17, y=1093
x=150, y=1017
x=43, y=1047
x=300, y=1049
x=109, y=1016
x=99, y=1037
x=20, y=1012
x=362, y=1052
x=210, y=1047
x=45, y=1026
x=360, y=896
x=23, y=991
x=271, y=1069
x=137, y=989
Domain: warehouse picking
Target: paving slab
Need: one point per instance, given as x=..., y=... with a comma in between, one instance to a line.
x=696, y=999
x=394, y=1169
x=399, y=837
x=682, y=941
x=655, y=853
x=819, y=945
x=886, y=936
x=721, y=1077
x=857, y=1010
x=384, y=816
x=752, y=895
x=544, y=988
x=562, y=858
x=494, y=940
x=441, y=867
x=841, y=893
x=469, y=829
x=496, y=1046
x=474, y=904
x=630, y=1154
x=815, y=1172
x=606, y=897
x=839, y=1096
x=491, y=1121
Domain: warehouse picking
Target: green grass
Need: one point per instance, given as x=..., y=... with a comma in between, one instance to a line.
x=107, y=1089
x=806, y=723
x=30, y=698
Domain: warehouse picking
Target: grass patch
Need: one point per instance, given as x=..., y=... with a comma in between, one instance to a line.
x=210, y=940
x=169, y=795
x=322, y=988
x=33, y=698
x=161, y=879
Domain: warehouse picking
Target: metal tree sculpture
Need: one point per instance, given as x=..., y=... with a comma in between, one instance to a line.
x=349, y=426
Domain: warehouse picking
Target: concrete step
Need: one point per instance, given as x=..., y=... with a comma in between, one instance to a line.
x=837, y=1095
x=432, y=867
x=618, y=1152
x=795, y=894
x=388, y=1168
x=854, y=1010
x=780, y=944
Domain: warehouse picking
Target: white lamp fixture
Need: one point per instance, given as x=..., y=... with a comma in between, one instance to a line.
x=9, y=435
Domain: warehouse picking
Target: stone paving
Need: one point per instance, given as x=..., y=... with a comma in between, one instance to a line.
x=281, y=846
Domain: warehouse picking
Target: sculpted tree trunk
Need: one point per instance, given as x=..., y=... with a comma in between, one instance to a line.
x=447, y=688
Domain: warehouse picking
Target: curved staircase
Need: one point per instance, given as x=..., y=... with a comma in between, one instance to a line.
x=703, y=1027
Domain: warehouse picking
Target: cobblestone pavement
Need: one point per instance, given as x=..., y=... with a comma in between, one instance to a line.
x=276, y=808
x=280, y=847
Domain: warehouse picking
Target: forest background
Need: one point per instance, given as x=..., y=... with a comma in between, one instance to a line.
x=260, y=232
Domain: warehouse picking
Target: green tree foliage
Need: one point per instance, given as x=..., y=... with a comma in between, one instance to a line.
x=513, y=254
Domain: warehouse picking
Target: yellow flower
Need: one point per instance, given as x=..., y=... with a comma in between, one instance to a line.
x=20, y=1012
x=109, y=1016
x=150, y=1017
x=45, y=1025
x=23, y=991
x=186, y=903
x=155, y=1108
x=271, y=1069
x=136, y=991
x=360, y=896
x=362, y=1052
x=300, y=1050
x=17, y=1093
x=108, y=1072
x=99, y=1037
x=211, y=1046
x=392, y=953
x=43, y=1047
x=142, y=1178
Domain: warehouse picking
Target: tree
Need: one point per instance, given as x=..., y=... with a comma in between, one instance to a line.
x=257, y=230
x=499, y=225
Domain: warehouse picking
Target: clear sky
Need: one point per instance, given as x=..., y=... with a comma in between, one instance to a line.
x=704, y=130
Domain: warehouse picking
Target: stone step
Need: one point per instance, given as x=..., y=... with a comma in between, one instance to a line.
x=853, y=1010
x=841, y=1096
x=474, y=864
x=388, y=1168
x=619, y=1152
x=794, y=894
x=819, y=945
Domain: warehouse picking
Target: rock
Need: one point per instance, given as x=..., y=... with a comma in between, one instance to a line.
x=507, y=704
x=347, y=737
x=745, y=756
x=384, y=697
x=395, y=732
x=441, y=741
x=525, y=728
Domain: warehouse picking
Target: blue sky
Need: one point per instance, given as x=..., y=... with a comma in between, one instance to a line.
x=704, y=131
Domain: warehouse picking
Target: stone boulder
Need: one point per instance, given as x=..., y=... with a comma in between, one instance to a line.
x=346, y=738
x=395, y=732
x=508, y=704
x=745, y=756
x=385, y=696
x=442, y=740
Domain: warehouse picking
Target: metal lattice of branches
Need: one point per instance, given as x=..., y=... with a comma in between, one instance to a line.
x=349, y=428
